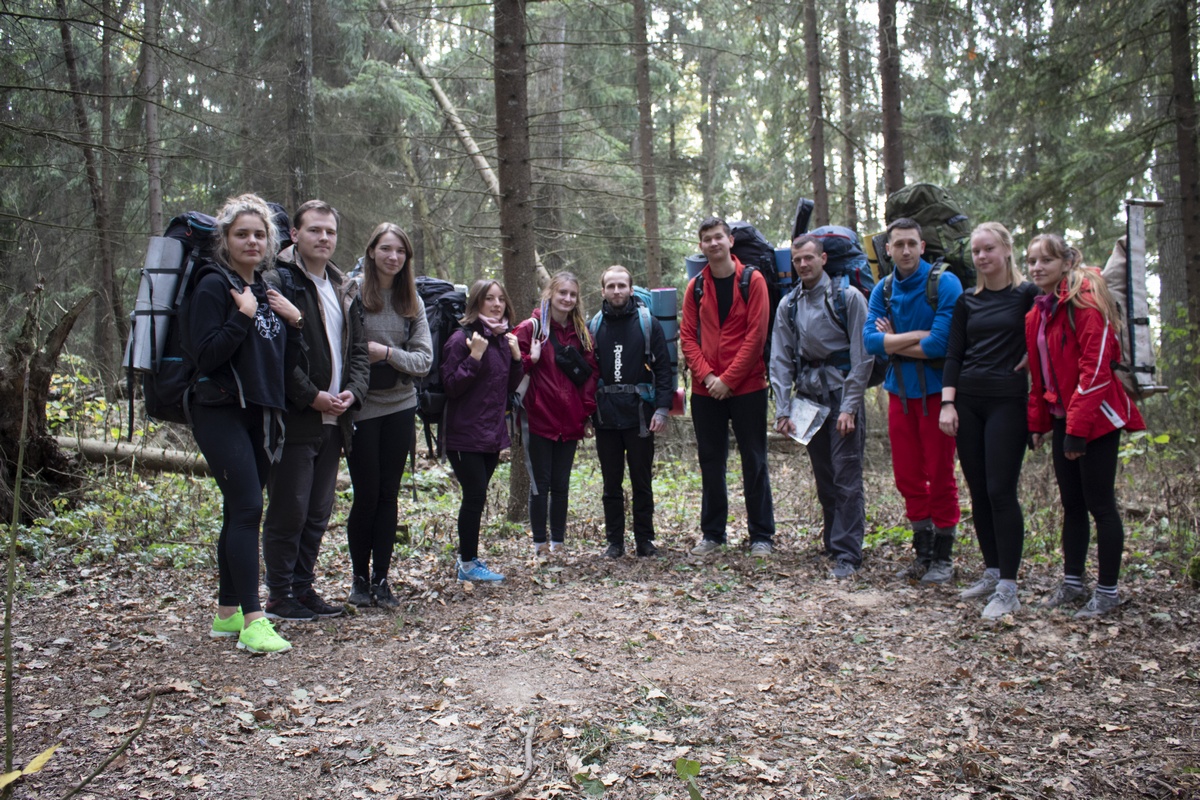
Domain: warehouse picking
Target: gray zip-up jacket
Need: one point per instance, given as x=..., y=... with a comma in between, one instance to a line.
x=809, y=357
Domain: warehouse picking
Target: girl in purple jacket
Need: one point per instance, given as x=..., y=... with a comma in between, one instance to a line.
x=481, y=365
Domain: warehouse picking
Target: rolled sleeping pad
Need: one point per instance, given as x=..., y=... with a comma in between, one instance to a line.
x=783, y=267
x=664, y=305
x=693, y=264
x=155, y=304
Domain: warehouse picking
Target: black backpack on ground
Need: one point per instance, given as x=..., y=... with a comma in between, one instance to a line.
x=154, y=351
x=945, y=228
x=444, y=307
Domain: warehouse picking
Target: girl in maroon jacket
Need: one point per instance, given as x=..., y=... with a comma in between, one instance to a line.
x=481, y=364
x=1071, y=334
x=559, y=357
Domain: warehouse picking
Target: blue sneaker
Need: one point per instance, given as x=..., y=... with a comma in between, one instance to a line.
x=476, y=570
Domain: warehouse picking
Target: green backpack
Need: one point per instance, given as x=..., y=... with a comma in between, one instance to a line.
x=944, y=227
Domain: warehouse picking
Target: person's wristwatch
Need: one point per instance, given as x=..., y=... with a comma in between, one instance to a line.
x=299, y=323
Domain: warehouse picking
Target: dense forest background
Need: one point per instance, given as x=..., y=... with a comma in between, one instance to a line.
x=613, y=127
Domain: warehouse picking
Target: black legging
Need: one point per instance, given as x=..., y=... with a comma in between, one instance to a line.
x=231, y=439
x=474, y=471
x=991, y=440
x=376, y=460
x=1088, y=486
x=551, y=462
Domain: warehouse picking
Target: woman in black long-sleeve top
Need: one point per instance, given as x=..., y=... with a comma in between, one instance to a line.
x=984, y=386
x=236, y=340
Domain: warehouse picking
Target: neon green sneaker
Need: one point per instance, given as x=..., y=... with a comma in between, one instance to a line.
x=222, y=628
x=260, y=637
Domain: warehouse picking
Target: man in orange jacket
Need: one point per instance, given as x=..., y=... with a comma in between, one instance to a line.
x=724, y=330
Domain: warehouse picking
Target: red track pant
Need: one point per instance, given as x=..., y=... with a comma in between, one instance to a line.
x=923, y=461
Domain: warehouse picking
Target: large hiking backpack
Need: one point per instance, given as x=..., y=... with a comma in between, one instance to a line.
x=445, y=305
x=945, y=228
x=844, y=256
x=753, y=250
x=155, y=348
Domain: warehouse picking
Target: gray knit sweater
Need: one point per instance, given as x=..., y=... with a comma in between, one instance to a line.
x=412, y=355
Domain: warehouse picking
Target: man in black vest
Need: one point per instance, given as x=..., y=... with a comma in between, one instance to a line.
x=632, y=400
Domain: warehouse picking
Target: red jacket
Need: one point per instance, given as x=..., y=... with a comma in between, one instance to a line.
x=1082, y=347
x=556, y=407
x=733, y=351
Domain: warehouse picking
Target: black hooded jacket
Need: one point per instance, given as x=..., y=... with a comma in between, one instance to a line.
x=621, y=355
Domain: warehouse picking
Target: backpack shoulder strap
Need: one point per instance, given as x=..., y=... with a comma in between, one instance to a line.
x=887, y=294
x=744, y=282
x=932, y=282
x=697, y=296
x=594, y=323
x=644, y=317
x=835, y=301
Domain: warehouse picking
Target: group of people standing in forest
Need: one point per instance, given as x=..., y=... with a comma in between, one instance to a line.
x=987, y=372
x=298, y=363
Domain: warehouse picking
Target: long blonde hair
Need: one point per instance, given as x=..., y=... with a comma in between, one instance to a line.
x=1015, y=277
x=1086, y=288
x=578, y=318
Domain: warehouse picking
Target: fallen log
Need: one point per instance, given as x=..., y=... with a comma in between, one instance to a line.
x=154, y=459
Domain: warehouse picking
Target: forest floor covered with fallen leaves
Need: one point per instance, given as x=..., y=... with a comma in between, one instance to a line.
x=770, y=677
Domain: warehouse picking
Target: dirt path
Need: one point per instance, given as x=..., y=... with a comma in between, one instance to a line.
x=777, y=681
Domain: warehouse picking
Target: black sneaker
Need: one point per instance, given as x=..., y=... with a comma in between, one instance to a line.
x=647, y=549
x=316, y=604
x=288, y=608
x=614, y=551
x=382, y=594
x=360, y=593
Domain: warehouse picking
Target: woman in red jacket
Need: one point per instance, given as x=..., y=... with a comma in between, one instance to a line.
x=1071, y=334
x=559, y=357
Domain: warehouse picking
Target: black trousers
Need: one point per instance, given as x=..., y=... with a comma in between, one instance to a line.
x=711, y=419
x=474, y=472
x=551, y=462
x=231, y=439
x=1088, y=486
x=992, y=434
x=381, y=446
x=300, y=489
x=615, y=449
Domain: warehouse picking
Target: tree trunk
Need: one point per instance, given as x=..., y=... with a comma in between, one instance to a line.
x=708, y=137
x=460, y=129
x=302, y=114
x=1172, y=270
x=516, y=190
x=889, y=84
x=816, y=122
x=111, y=317
x=641, y=55
x=152, y=97
x=28, y=365
x=1183, y=100
x=428, y=254
x=549, y=83
x=845, y=90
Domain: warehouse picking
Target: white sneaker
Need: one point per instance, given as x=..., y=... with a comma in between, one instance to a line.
x=984, y=587
x=1003, y=601
x=706, y=547
x=541, y=550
